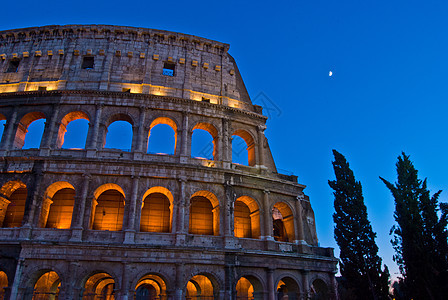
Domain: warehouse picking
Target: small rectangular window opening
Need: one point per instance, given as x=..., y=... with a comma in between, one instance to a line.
x=168, y=68
x=13, y=65
x=88, y=62
x=42, y=88
x=205, y=99
x=125, y=90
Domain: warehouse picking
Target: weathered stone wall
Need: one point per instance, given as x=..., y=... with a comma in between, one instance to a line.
x=210, y=97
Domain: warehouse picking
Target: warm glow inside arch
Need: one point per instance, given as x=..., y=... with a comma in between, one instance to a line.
x=157, y=210
x=57, y=206
x=204, y=213
x=246, y=218
x=108, y=208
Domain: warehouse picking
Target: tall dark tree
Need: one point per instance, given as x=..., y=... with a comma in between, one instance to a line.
x=420, y=236
x=359, y=261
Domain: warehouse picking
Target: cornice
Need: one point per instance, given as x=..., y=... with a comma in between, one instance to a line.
x=131, y=96
x=125, y=33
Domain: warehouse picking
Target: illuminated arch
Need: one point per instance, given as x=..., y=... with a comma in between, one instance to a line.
x=150, y=286
x=202, y=286
x=23, y=125
x=157, y=210
x=204, y=213
x=57, y=207
x=249, y=287
x=47, y=286
x=211, y=129
x=165, y=121
x=246, y=218
x=250, y=143
x=283, y=222
x=14, y=192
x=72, y=116
x=3, y=284
x=108, y=208
x=287, y=287
x=99, y=285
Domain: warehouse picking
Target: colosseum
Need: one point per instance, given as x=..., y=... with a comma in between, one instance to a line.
x=91, y=221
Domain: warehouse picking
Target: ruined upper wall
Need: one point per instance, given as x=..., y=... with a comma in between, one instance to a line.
x=116, y=58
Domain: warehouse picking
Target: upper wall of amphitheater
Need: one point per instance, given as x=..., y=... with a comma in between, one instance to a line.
x=117, y=59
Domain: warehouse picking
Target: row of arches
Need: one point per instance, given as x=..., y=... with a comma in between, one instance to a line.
x=100, y=285
x=156, y=211
x=120, y=131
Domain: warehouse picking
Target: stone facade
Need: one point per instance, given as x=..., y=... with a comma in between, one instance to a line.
x=100, y=223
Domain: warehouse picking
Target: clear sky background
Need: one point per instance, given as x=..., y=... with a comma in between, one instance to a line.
x=388, y=92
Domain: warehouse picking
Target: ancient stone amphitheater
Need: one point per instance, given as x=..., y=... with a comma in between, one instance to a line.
x=94, y=222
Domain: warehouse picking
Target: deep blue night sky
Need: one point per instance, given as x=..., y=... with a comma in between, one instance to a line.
x=388, y=92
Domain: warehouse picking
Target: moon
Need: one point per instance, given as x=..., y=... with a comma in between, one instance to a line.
x=330, y=73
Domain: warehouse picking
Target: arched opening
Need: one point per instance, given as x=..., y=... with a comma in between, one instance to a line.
x=244, y=290
x=29, y=131
x=283, y=222
x=204, y=214
x=249, y=288
x=319, y=290
x=73, y=131
x=34, y=134
x=157, y=210
x=203, y=141
x=119, y=133
x=243, y=148
x=57, y=206
x=239, y=151
x=47, y=287
x=3, y=285
x=287, y=289
x=13, y=196
x=150, y=287
x=108, y=208
x=162, y=136
x=100, y=286
x=200, y=287
x=246, y=218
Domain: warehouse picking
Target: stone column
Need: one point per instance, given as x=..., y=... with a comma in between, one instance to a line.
x=305, y=284
x=300, y=238
x=68, y=288
x=225, y=156
x=130, y=227
x=182, y=213
x=49, y=135
x=227, y=210
x=9, y=129
x=125, y=291
x=261, y=138
x=334, y=287
x=141, y=130
x=267, y=216
x=180, y=271
x=96, y=127
x=17, y=280
x=184, y=151
x=79, y=212
x=29, y=218
x=271, y=286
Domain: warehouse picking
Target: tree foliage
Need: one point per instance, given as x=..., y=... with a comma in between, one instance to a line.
x=420, y=235
x=359, y=261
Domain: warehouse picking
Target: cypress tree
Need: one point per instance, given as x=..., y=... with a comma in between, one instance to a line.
x=359, y=261
x=420, y=236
